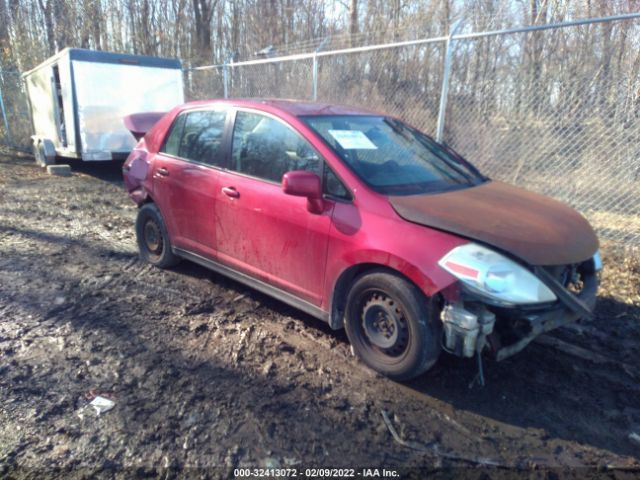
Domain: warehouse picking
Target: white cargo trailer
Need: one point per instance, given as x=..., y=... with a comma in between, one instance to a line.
x=78, y=98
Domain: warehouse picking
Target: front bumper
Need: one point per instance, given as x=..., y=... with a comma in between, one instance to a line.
x=516, y=327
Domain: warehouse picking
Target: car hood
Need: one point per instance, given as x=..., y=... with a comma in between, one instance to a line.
x=534, y=228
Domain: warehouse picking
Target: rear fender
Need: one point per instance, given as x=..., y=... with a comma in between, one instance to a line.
x=135, y=171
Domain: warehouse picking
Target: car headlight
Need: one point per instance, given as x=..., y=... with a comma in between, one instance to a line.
x=495, y=276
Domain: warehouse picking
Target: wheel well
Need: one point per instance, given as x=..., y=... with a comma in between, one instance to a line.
x=341, y=289
x=147, y=199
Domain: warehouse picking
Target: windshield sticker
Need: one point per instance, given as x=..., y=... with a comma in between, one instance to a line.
x=352, y=140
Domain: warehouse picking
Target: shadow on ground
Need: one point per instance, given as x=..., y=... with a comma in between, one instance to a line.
x=592, y=403
x=110, y=172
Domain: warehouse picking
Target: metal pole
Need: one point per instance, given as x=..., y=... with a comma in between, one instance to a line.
x=315, y=78
x=445, y=80
x=4, y=115
x=225, y=73
x=315, y=68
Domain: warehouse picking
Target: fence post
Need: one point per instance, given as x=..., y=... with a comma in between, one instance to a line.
x=445, y=79
x=225, y=73
x=315, y=77
x=5, y=121
x=315, y=68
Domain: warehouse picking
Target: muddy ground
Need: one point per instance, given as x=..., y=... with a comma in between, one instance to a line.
x=208, y=376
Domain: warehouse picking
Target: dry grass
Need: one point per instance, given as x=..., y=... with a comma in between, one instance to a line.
x=621, y=274
x=616, y=225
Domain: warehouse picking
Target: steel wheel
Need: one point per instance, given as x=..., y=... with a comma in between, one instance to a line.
x=384, y=323
x=153, y=239
x=391, y=325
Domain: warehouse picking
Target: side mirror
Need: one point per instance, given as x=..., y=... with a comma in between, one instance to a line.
x=301, y=183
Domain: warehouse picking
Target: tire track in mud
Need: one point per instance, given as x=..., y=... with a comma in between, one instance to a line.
x=206, y=372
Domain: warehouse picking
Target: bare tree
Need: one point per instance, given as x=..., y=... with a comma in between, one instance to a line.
x=203, y=11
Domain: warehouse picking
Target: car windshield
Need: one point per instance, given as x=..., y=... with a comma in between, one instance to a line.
x=393, y=158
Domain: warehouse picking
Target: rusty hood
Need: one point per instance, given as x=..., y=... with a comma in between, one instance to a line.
x=537, y=229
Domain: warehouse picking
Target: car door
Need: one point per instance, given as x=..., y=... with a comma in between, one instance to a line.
x=259, y=229
x=186, y=175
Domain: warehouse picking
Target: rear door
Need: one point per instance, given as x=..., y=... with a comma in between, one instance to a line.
x=259, y=229
x=186, y=175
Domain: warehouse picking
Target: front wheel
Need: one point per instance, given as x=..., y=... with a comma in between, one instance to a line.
x=153, y=240
x=392, y=325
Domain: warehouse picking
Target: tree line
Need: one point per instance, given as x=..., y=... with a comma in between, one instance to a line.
x=207, y=31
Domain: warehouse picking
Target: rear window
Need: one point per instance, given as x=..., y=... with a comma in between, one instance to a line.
x=172, y=143
x=197, y=136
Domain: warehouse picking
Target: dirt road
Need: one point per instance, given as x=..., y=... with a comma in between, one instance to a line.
x=209, y=376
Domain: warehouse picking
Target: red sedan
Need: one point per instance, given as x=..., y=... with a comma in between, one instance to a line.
x=363, y=221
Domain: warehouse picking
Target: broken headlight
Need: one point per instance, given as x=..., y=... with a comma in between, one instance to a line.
x=495, y=276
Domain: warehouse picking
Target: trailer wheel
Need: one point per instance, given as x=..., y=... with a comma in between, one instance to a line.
x=39, y=154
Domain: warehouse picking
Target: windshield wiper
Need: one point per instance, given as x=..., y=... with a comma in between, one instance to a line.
x=397, y=127
x=442, y=154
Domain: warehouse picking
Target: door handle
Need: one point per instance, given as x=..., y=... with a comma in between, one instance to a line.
x=230, y=192
x=163, y=171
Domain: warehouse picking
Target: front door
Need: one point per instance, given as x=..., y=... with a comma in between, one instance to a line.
x=261, y=230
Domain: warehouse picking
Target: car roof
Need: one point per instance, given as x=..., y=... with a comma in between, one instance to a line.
x=297, y=108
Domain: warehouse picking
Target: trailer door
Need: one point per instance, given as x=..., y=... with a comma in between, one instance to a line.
x=107, y=92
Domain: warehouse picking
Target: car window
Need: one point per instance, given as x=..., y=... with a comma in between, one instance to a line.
x=333, y=186
x=202, y=137
x=266, y=148
x=172, y=143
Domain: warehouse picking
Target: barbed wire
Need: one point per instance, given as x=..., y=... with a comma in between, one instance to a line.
x=501, y=18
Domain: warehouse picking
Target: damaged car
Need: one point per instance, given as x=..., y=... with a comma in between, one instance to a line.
x=363, y=221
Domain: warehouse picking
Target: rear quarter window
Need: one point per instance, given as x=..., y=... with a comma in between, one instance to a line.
x=172, y=143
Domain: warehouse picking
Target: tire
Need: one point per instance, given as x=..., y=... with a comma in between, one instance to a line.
x=153, y=240
x=392, y=326
x=38, y=153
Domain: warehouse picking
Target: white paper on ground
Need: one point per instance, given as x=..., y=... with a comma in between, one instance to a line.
x=352, y=140
x=102, y=404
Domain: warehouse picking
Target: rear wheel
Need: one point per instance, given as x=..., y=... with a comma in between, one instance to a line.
x=392, y=325
x=153, y=240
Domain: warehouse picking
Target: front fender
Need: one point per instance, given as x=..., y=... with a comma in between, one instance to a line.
x=378, y=237
x=428, y=278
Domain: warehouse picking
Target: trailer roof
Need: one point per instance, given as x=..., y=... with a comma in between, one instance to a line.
x=99, y=56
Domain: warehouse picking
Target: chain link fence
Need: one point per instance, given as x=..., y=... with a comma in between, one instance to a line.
x=564, y=122
x=203, y=84
x=281, y=80
x=554, y=110
x=15, y=124
x=404, y=82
